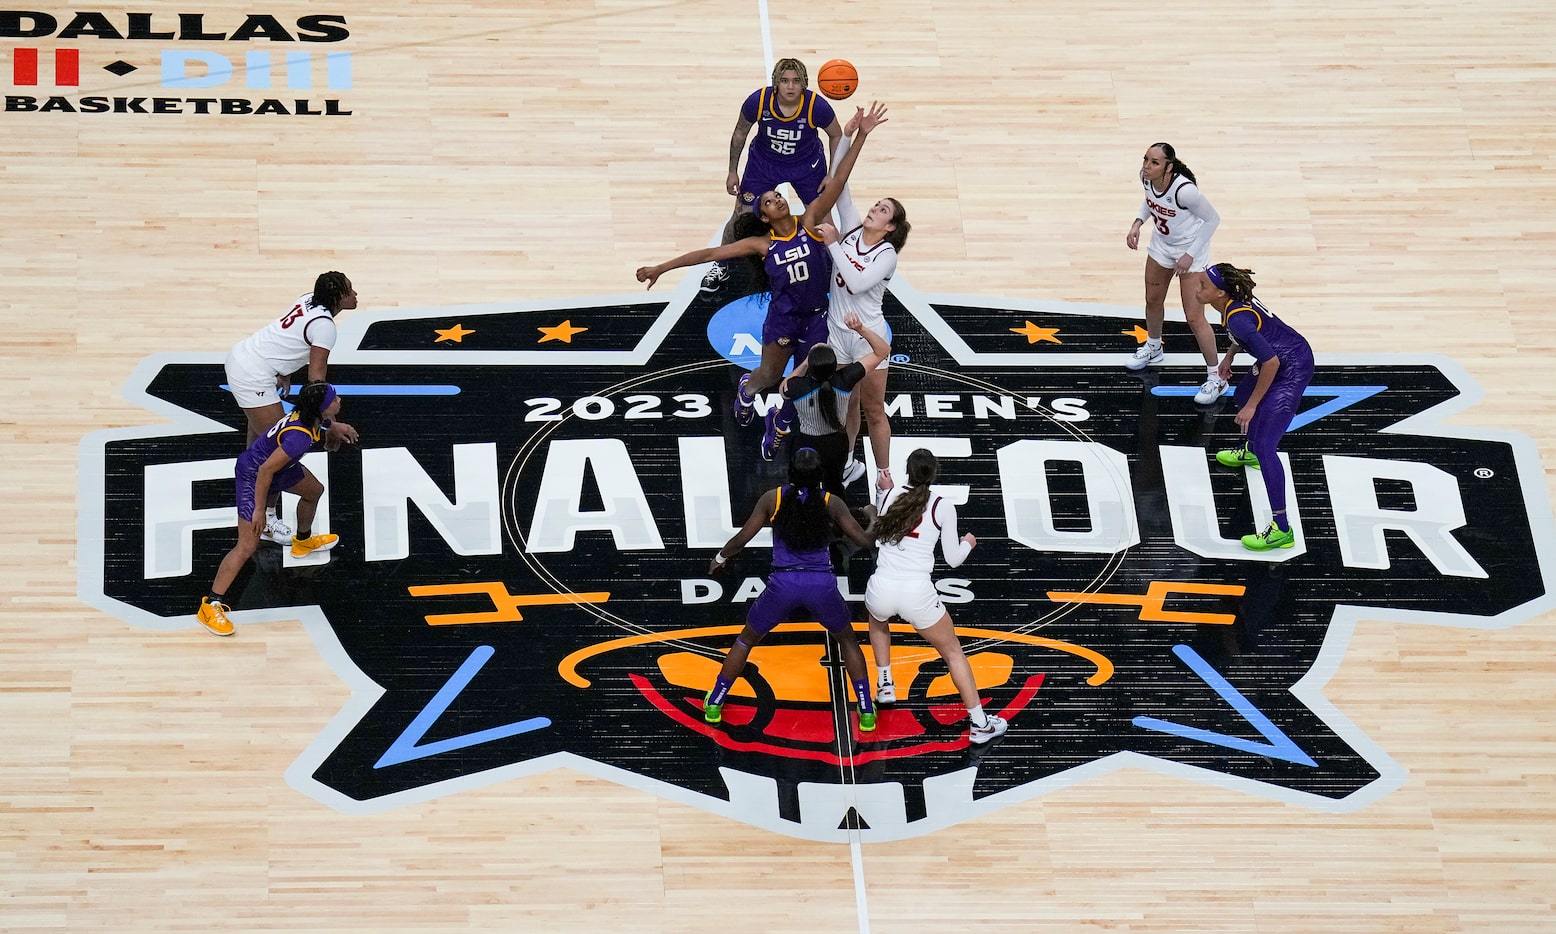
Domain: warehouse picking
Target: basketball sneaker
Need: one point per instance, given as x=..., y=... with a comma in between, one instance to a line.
x=867, y=721
x=854, y=472
x=1210, y=390
x=716, y=277
x=712, y=713
x=994, y=729
x=277, y=531
x=745, y=407
x=772, y=436
x=324, y=541
x=213, y=616
x=1237, y=457
x=1270, y=539
x=1148, y=353
x=886, y=693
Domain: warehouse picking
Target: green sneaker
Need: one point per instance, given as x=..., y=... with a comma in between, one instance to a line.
x=1237, y=457
x=1269, y=539
x=713, y=713
x=867, y=722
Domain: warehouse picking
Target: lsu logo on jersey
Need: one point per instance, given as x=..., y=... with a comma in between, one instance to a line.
x=527, y=523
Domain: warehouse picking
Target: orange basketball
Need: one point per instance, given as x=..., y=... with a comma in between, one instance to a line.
x=837, y=79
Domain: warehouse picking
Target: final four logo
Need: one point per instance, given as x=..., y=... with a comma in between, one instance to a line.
x=528, y=520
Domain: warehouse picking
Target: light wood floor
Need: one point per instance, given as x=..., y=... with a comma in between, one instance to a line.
x=1385, y=167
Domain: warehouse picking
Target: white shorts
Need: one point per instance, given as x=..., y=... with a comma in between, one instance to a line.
x=1167, y=252
x=849, y=346
x=916, y=601
x=253, y=389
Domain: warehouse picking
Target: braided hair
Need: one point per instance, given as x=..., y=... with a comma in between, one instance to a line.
x=784, y=64
x=1178, y=168
x=1239, y=282
x=749, y=224
x=905, y=512
x=310, y=402
x=331, y=289
x=802, y=521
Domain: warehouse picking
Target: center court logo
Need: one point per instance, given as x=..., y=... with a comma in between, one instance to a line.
x=527, y=525
x=106, y=77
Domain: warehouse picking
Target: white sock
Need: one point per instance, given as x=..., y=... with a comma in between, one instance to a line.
x=979, y=718
x=885, y=676
x=1155, y=343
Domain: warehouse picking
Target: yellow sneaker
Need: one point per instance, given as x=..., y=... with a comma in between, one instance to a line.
x=213, y=616
x=302, y=547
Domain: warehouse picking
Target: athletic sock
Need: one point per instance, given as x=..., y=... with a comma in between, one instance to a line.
x=979, y=718
x=862, y=691
x=214, y=597
x=885, y=676
x=1281, y=522
x=720, y=688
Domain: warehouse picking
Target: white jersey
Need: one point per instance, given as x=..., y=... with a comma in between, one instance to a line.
x=860, y=274
x=1182, y=217
x=914, y=555
x=283, y=346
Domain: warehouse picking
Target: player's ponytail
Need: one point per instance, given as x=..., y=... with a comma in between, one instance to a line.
x=821, y=364
x=802, y=522
x=907, y=509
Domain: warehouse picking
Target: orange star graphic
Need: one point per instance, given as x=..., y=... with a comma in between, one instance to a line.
x=1140, y=334
x=1033, y=333
x=456, y=334
x=562, y=332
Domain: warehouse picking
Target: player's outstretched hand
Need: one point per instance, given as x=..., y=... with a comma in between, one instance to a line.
x=649, y=274
x=874, y=118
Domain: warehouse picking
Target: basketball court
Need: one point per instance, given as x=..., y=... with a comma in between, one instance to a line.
x=483, y=710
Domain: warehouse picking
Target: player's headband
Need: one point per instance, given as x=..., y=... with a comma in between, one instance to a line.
x=1213, y=273
x=329, y=396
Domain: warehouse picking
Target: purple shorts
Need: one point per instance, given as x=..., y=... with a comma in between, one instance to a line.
x=285, y=478
x=791, y=591
x=761, y=177
x=797, y=334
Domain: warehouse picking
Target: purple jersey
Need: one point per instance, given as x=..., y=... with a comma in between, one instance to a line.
x=786, y=141
x=1264, y=336
x=799, y=272
x=290, y=436
x=789, y=559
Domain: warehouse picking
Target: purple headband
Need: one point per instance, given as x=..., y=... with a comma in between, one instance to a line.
x=1213, y=273
x=329, y=397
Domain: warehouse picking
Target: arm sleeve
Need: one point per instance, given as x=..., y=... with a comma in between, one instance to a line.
x=1191, y=200
x=1144, y=216
x=847, y=215
x=951, y=544
x=861, y=281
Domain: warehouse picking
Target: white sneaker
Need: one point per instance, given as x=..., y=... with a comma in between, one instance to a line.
x=278, y=532
x=995, y=728
x=1212, y=389
x=1148, y=353
x=716, y=276
x=854, y=472
x=886, y=693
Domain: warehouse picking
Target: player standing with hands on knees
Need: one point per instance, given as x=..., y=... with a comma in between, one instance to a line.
x=787, y=147
x=260, y=367
x=798, y=269
x=1183, y=221
x=912, y=521
x=1268, y=396
x=271, y=464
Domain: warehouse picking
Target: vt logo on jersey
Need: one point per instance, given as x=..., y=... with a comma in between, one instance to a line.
x=527, y=524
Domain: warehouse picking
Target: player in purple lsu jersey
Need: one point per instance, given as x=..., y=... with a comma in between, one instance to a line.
x=271, y=464
x=788, y=118
x=1268, y=395
x=797, y=269
x=801, y=514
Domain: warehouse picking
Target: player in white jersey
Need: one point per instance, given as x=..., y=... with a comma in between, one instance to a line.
x=1183, y=221
x=260, y=367
x=912, y=520
x=864, y=257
